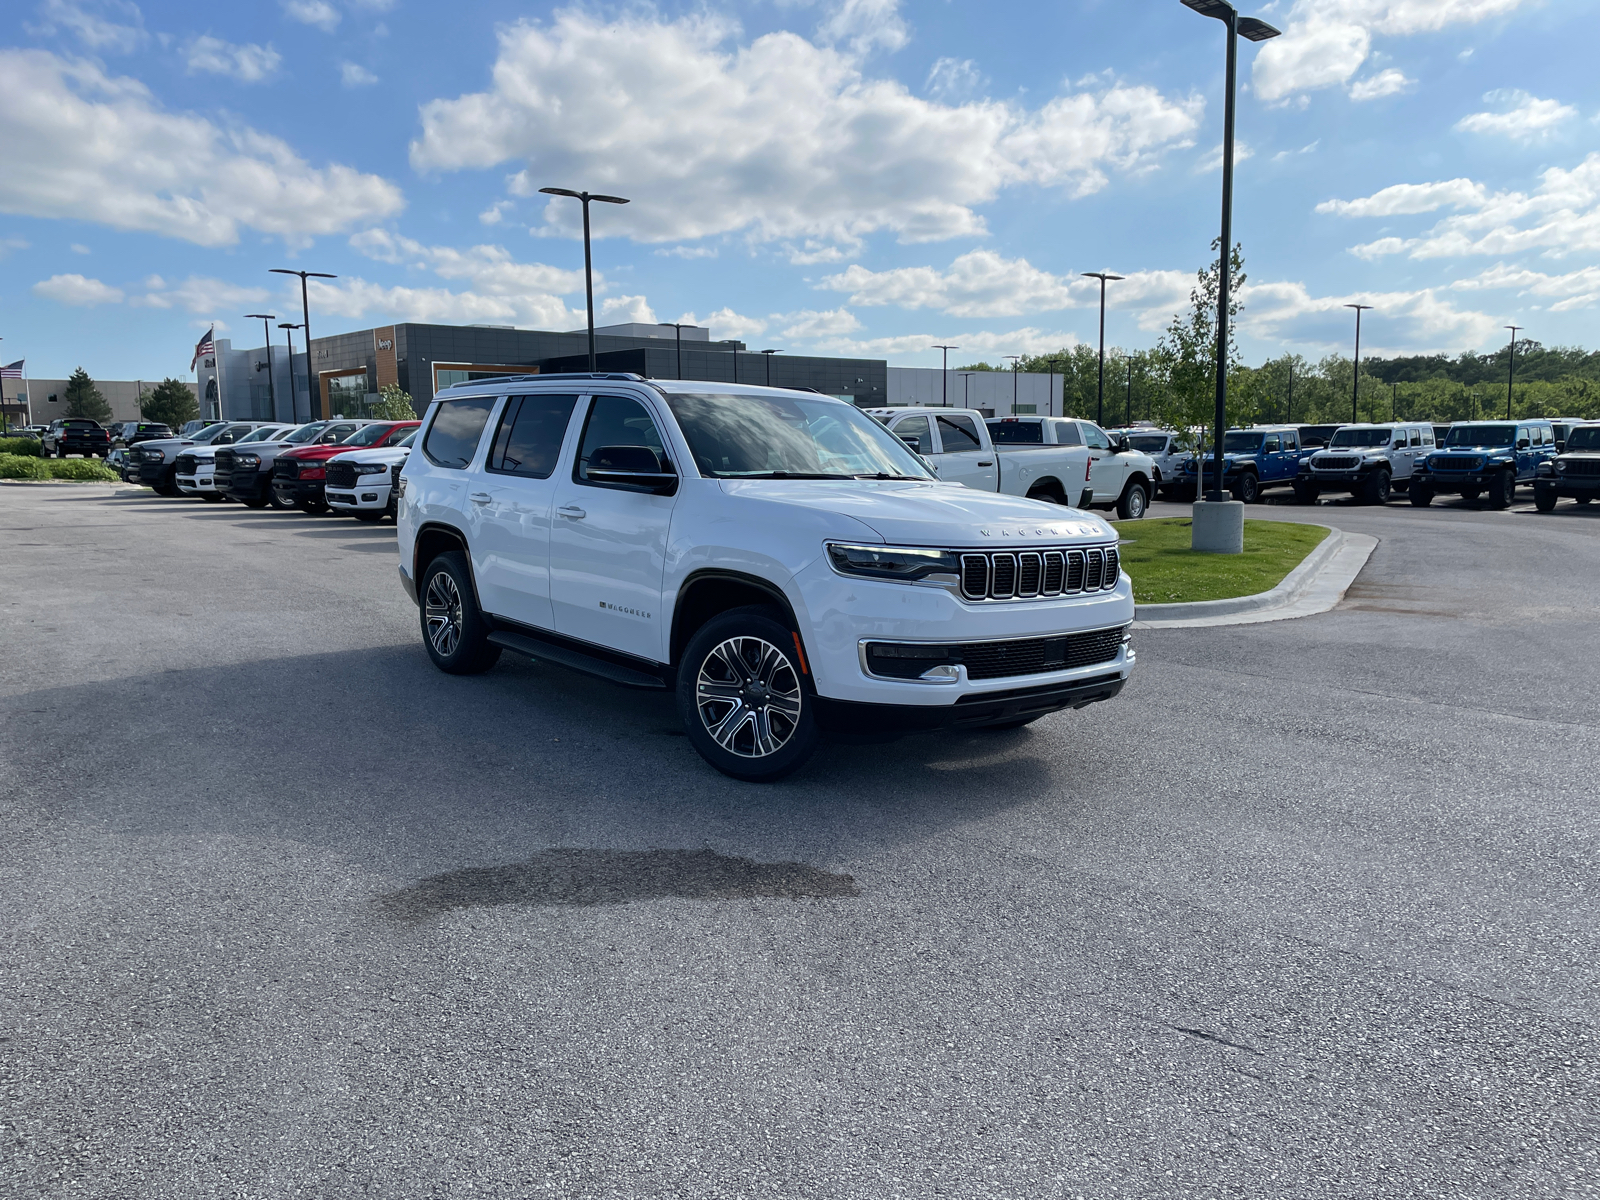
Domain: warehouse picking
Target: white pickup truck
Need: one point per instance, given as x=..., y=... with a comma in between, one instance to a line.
x=777, y=558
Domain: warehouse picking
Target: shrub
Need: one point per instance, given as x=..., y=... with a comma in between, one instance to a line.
x=80, y=470
x=20, y=466
x=25, y=446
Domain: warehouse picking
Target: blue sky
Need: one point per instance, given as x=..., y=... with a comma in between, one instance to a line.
x=825, y=176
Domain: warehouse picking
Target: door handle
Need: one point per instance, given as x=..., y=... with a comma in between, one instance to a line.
x=990, y=463
x=571, y=510
x=479, y=497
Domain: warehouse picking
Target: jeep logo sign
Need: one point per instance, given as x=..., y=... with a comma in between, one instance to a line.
x=386, y=344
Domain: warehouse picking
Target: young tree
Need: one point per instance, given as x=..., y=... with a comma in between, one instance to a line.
x=84, y=399
x=1187, y=351
x=171, y=404
x=394, y=404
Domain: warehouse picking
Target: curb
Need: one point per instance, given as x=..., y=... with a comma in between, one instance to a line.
x=1317, y=584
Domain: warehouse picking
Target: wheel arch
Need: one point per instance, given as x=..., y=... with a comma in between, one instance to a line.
x=710, y=591
x=433, y=539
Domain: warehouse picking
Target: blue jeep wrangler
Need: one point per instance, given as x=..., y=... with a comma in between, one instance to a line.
x=1263, y=456
x=1480, y=457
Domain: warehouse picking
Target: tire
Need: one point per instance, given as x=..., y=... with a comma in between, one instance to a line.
x=368, y=516
x=1376, y=490
x=1503, y=492
x=1421, y=494
x=1247, y=488
x=1306, y=493
x=312, y=506
x=1048, y=495
x=211, y=497
x=1470, y=494
x=255, y=502
x=740, y=656
x=1581, y=499
x=1135, y=500
x=275, y=502
x=454, y=631
x=1544, y=499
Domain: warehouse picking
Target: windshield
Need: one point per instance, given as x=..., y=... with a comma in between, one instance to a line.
x=1481, y=435
x=1361, y=437
x=210, y=434
x=1016, y=433
x=258, y=435
x=366, y=435
x=1148, y=444
x=405, y=443
x=1584, y=437
x=1241, y=443
x=788, y=437
x=306, y=432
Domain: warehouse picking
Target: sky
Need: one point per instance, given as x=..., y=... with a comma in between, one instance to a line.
x=855, y=177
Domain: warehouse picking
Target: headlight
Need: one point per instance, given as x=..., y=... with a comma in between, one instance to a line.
x=371, y=468
x=247, y=460
x=905, y=563
x=1560, y=466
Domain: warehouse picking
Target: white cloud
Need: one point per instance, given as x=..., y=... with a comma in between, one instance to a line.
x=1526, y=118
x=727, y=325
x=7, y=245
x=1575, y=289
x=77, y=290
x=1401, y=322
x=79, y=248
x=975, y=344
x=313, y=12
x=1325, y=42
x=200, y=294
x=810, y=324
x=249, y=63
x=781, y=138
x=1385, y=83
x=1212, y=160
x=89, y=146
x=354, y=297
x=687, y=252
x=354, y=75
x=105, y=26
x=953, y=80
x=617, y=310
x=496, y=212
x=1405, y=198
x=865, y=26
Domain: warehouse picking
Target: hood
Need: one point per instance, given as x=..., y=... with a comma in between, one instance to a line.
x=383, y=454
x=931, y=514
x=316, y=453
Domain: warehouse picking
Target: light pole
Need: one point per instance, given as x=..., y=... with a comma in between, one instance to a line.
x=1014, y=358
x=288, y=340
x=1511, y=367
x=944, y=376
x=305, y=310
x=266, y=332
x=1355, y=374
x=966, y=377
x=675, y=325
x=1100, y=395
x=1288, y=418
x=769, y=354
x=1256, y=31
x=1129, y=361
x=588, y=266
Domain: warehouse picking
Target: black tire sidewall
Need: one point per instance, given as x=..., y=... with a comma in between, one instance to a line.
x=473, y=653
x=764, y=623
x=1125, y=506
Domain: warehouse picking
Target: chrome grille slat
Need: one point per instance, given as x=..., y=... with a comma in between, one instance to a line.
x=1094, y=560
x=1032, y=574
x=1075, y=570
x=1029, y=569
x=975, y=576
x=1054, y=573
x=1003, y=577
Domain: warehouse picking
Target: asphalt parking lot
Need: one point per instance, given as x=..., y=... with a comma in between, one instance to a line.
x=1309, y=911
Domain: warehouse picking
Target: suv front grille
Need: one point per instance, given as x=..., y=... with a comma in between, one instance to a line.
x=1335, y=464
x=341, y=474
x=1029, y=574
x=286, y=468
x=1582, y=466
x=1455, y=462
x=185, y=464
x=997, y=660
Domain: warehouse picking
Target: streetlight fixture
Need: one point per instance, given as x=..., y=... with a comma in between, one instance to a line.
x=1511, y=367
x=769, y=354
x=966, y=380
x=1014, y=358
x=1100, y=396
x=266, y=332
x=677, y=326
x=1129, y=361
x=1355, y=373
x=588, y=265
x=1254, y=30
x=944, y=377
x=305, y=310
x=288, y=340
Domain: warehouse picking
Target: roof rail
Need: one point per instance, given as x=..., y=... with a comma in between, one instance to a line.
x=494, y=379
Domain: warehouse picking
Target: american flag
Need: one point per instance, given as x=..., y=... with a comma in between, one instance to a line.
x=204, y=346
x=12, y=370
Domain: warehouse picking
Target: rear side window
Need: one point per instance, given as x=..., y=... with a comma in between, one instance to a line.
x=1067, y=433
x=528, y=441
x=957, y=434
x=1016, y=433
x=453, y=437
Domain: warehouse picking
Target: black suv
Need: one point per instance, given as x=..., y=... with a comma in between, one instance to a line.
x=75, y=435
x=1574, y=473
x=134, y=432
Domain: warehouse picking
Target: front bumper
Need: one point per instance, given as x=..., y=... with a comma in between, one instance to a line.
x=1572, y=487
x=1456, y=481
x=298, y=491
x=244, y=483
x=360, y=496
x=848, y=719
x=152, y=471
x=201, y=482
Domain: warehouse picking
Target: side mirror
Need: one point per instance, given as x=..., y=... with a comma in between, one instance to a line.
x=635, y=466
x=912, y=440
x=1120, y=445
x=1522, y=443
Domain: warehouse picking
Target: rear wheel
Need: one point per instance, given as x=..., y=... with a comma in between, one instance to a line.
x=211, y=497
x=1017, y=724
x=743, y=696
x=1133, y=503
x=1470, y=494
x=254, y=502
x=1581, y=499
x=1050, y=493
x=453, y=627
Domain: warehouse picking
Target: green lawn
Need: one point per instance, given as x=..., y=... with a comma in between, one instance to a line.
x=1156, y=556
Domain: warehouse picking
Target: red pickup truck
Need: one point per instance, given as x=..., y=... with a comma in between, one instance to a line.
x=298, y=476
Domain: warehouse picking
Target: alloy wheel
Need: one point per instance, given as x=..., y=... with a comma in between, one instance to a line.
x=442, y=608
x=748, y=697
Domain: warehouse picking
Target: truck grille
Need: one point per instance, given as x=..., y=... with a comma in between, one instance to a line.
x=1028, y=574
x=394, y=475
x=1335, y=464
x=341, y=474
x=185, y=464
x=1455, y=462
x=286, y=468
x=997, y=660
x=1582, y=466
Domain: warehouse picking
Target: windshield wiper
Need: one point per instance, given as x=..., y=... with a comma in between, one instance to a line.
x=787, y=475
x=886, y=475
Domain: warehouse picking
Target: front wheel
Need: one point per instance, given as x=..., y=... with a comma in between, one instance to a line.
x=1504, y=491
x=277, y=501
x=1133, y=503
x=370, y=516
x=743, y=696
x=1306, y=493
x=1544, y=499
x=453, y=626
x=1421, y=494
x=255, y=502
x=1247, y=488
x=1377, y=489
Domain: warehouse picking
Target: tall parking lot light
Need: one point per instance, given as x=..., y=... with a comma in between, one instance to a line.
x=305, y=310
x=1511, y=367
x=1014, y=360
x=1100, y=394
x=288, y=340
x=588, y=263
x=1355, y=374
x=266, y=332
x=966, y=381
x=1256, y=31
x=944, y=377
x=768, y=354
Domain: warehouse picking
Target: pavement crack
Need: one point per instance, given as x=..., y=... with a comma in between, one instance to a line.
x=1206, y=1035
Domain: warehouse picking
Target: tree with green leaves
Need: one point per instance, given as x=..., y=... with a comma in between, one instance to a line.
x=84, y=399
x=171, y=404
x=394, y=404
x=1187, y=351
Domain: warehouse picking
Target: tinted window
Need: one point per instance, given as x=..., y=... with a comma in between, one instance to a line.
x=1271, y=446
x=1095, y=436
x=958, y=433
x=399, y=434
x=1016, y=433
x=616, y=421
x=1416, y=437
x=1067, y=433
x=453, y=437
x=334, y=434
x=528, y=441
x=916, y=427
x=1147, y=443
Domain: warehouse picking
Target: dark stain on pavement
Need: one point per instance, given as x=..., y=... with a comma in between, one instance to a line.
x=586, y=877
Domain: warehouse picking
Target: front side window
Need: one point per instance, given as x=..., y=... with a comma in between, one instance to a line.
x=1016, y=433
x=334, y=434
x=528, y=441
x=305, y=433
x=957, y=434
x=786, y=437
x=368, y=435
x=918, y=428
x=265, y=434
x=617, y=421
x=1271, y=446
x=453, y=437
x=1095, y=436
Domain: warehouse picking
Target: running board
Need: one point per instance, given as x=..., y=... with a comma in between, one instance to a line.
x=576, y=659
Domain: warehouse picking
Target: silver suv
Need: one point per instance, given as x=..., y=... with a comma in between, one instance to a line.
x=1364, y=460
